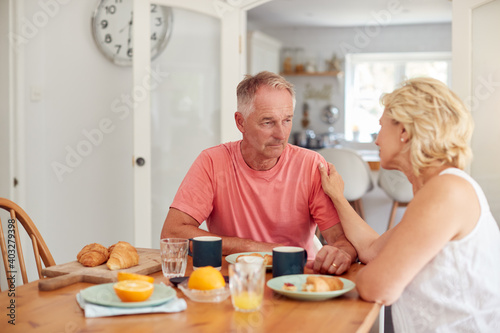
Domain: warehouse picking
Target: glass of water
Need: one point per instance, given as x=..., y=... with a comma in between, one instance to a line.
x=174, y=253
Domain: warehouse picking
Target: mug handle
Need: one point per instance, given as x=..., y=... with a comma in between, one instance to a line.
x=305, y=258
x=189, y=247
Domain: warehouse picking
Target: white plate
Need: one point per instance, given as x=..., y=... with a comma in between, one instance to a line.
x=232, y=257
x=298, y=280
x=104, y=294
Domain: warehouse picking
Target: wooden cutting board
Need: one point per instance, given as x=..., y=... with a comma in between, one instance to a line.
x=72, y=272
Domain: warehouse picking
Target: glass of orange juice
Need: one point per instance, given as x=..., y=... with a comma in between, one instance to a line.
x=246, y=282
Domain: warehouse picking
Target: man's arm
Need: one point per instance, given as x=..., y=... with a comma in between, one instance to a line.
x=335, y=257
x=181, y=225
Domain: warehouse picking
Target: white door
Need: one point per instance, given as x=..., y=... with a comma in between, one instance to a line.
x=476, y=79
x=230, y=62
x=5, y=90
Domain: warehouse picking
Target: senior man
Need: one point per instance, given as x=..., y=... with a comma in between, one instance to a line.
x=261, y=192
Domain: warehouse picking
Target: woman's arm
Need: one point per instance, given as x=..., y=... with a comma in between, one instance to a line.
x=365, y=240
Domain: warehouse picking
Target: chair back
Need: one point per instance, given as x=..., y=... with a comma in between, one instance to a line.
x=354, y=170
x=10, y=241
x=395, y=184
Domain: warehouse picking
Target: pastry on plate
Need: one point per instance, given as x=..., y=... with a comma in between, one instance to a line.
x=322, y=283
x=268, y=259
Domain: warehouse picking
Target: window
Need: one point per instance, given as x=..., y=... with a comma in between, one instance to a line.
x=368, y=76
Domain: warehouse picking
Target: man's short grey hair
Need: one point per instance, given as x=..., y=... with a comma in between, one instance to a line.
x=248, y=87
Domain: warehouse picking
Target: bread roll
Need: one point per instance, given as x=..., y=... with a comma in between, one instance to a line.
x=249, y=255
x=123, y=255
x=268, y=260
x=334, y=283
x=322, y=283
x=92, y=255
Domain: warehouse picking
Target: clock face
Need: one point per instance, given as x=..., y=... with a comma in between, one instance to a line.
x=112, y=29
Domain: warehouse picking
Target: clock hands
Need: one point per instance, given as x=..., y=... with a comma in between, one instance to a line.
x=130, y=29
x=129, y=24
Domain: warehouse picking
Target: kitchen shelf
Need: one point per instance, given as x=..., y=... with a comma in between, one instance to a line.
x=330, y=73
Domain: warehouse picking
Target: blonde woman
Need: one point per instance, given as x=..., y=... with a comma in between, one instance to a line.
x=440, y=266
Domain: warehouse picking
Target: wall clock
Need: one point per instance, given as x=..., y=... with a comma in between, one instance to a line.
x=112, y=23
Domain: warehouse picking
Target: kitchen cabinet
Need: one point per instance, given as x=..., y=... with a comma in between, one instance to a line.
x=327, y=73
x=263, y=53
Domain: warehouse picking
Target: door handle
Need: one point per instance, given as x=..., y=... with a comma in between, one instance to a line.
x=140, y=161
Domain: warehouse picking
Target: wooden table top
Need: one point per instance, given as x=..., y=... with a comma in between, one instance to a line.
x=58, y=311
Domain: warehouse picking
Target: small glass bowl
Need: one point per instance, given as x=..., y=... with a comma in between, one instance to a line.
x=205, y=296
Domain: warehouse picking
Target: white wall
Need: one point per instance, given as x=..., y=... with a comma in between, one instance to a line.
x=485, y=103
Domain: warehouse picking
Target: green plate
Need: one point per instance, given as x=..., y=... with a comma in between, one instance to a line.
x=232, y=257
x=298, y=280
x=104, y=294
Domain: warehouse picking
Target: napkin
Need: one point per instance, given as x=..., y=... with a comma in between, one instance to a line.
x=93, y=310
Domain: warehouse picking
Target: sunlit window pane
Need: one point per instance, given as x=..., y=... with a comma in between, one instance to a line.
x=435, y=69
x=369, y=76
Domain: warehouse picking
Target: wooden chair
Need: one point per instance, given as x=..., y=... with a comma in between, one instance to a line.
x=10, y=241
x=355, y=173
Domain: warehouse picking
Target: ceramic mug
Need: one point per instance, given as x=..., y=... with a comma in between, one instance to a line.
x=207, y=251
x=288, y=260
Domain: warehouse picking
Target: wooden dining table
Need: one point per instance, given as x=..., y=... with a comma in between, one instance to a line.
x=58, y=311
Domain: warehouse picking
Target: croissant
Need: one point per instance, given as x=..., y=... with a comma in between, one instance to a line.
x=93, y=255
x=322, y=283
x=268, y=259
x=123, y=255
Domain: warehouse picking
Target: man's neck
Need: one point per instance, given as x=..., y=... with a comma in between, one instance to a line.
x=256, y=163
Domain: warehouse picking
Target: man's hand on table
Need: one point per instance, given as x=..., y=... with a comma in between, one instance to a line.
x=330, y=260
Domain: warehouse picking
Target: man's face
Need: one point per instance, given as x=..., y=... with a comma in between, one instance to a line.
x=267, y=128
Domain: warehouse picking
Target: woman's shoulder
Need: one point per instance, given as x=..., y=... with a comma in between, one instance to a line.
x=453, y=199
x=450, y=185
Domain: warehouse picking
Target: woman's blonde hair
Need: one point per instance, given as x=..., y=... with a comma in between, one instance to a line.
x=438, y=124
x=247, y=89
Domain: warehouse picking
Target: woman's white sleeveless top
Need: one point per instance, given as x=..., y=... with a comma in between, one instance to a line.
x=459, y=289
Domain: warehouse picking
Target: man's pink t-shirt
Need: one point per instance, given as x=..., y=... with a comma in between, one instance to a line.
x=281, y=205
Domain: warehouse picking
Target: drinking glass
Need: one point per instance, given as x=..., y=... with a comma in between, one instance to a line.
x=174, y=256
x=246, y=282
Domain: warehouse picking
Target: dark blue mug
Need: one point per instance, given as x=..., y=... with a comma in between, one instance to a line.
x=288, y=260
x=207, y=251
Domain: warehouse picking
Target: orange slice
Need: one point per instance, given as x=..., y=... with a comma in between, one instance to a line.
x=206, y=278
x=133, y=290
x=122, y=276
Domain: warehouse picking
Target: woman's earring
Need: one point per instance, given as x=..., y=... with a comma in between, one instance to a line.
x=402, y=140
